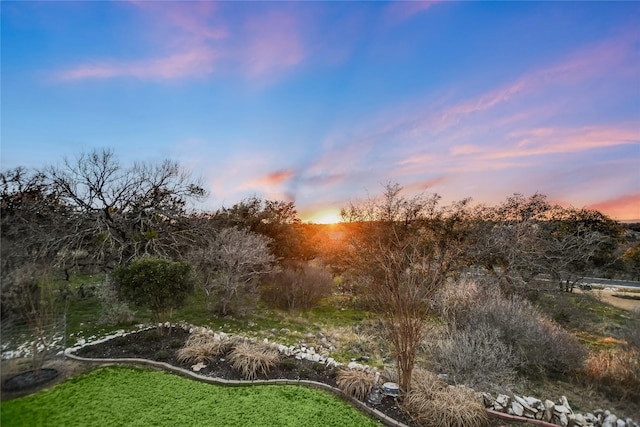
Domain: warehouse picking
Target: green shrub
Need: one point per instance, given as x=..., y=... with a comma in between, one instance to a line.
x=159, y=284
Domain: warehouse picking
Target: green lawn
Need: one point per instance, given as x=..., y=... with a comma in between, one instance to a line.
x=126, y=396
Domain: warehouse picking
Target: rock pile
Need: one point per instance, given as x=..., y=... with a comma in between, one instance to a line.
x=559, y=412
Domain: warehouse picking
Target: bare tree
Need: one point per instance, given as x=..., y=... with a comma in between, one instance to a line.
x=230, y=265
x=402, y=249
x=120, y=213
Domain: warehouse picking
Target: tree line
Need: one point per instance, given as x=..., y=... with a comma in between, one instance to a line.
x=393, y=252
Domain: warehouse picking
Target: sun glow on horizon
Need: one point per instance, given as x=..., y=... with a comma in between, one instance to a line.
x=326, y=216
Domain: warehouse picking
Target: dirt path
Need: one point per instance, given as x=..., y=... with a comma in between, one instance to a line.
x=608, y=296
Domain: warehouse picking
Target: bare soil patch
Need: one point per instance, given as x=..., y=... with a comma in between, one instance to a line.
x=609, y=296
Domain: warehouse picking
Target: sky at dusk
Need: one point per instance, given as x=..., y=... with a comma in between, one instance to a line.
x=322, y=103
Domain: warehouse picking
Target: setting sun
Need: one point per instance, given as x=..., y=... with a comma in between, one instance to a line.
x=325, y=217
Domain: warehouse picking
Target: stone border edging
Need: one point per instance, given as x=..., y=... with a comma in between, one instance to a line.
x=388, y=421
x=515, y=418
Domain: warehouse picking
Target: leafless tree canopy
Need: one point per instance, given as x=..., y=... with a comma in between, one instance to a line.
x=230, y=265
x=402, y=250
x=119, y=213
x=528, y=242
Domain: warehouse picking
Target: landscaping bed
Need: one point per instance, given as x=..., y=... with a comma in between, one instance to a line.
x=148, y=344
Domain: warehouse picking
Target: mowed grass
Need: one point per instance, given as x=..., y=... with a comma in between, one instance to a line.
x=127, y=396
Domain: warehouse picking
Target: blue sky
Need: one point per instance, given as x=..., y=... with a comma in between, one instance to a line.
x=324, y=102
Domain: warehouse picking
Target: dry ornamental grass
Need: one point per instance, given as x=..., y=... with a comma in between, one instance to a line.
x=202, y=346
x=250, y=359
x=355, y=382
x=431, y=402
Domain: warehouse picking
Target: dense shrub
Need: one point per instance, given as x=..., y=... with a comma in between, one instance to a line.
x=535, y=339
x=476, y=356
x=298, y=288
x=616, y=372
x=355, y=382
x=431, y=402
x=250, y=359
x=160, y=284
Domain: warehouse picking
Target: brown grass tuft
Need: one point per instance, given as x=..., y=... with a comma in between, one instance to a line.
x=202, y=346
x=252, y=358
x=431, y=402
x=355, y=382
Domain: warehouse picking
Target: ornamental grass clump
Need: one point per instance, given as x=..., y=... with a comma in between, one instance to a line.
x=202, y=346
x=431, y=402
x=355, y=382
x=250, y=359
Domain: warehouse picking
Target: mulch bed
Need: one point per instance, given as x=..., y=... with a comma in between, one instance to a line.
x=150, y=345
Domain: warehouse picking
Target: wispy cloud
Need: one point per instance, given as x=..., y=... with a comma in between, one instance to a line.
x=546, y=141
x=399, y=11
x=192, y=63
x=496, y=142
x=273, y=43
x=202, y=38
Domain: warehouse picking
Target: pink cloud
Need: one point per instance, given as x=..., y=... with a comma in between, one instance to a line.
x=625, y=207
x=424, y=185
x=195, y=41
x=538, y=142
x=192, y=63
x=274, y=43
x=466, y=149
x=399, y=11
x=193, y=18
x=270, y=185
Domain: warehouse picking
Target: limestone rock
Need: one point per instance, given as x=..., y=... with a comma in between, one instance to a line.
x=610, y=420
x=517, y=408
x=548, y=410
x=564, y=402
x=577, y=420
x=487, y=399
x=198, y=367
x=501, y=403
x=560, y=419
